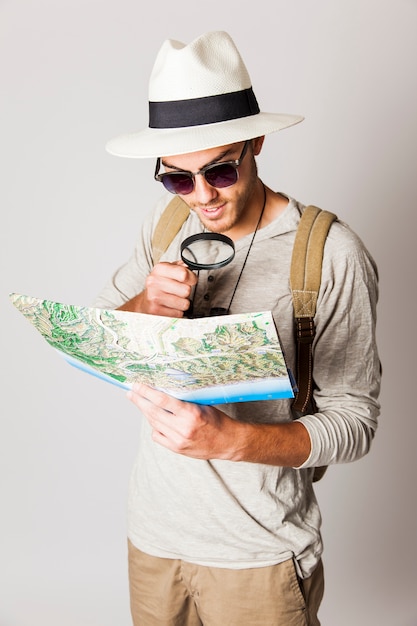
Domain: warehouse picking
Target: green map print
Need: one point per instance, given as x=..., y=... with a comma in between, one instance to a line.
x=167, y=353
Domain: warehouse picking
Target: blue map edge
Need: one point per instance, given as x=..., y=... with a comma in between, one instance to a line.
x=265, y=389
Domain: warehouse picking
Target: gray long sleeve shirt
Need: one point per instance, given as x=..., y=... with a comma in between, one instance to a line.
x=237, y=515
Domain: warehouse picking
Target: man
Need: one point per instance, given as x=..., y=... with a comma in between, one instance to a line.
x=223, y=526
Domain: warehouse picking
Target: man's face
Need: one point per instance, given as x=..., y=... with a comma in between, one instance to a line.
x=220, y=210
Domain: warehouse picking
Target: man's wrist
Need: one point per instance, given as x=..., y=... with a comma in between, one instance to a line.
x=286, y=445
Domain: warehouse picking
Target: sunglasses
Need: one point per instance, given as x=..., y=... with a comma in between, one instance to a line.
x=219, y=175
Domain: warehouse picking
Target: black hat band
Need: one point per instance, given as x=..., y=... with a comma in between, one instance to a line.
x=200, y=111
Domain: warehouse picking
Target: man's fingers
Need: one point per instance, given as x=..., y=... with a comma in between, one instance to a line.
x=177, y=271
x=155, y=397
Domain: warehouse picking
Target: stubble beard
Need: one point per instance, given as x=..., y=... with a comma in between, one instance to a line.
x=240, y=203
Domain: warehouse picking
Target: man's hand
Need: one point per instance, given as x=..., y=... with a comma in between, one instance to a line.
x=167, y=292
x=205, y=432
x=198, y=431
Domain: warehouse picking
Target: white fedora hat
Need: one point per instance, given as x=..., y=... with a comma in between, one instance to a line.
x=200, y=96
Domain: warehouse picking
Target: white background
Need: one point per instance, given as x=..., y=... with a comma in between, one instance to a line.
x=74, y=73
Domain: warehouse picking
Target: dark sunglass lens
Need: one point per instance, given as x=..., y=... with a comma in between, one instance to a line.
x=222, y=175
x=178, y=183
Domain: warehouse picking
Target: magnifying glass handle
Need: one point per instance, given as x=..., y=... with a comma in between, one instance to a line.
x=189, y=313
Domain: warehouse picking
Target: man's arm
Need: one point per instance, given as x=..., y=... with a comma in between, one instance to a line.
x=347, y=370
x=205, y=432
x=125, y=289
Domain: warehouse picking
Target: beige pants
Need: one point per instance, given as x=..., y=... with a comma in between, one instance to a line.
x=170, y=592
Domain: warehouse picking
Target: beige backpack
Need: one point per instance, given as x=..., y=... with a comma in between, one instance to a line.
x=305, y=279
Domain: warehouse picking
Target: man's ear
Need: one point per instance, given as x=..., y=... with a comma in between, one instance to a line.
x=257, y=144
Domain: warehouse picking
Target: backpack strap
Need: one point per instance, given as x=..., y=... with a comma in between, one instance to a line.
x=169, y=225
x=305, y=278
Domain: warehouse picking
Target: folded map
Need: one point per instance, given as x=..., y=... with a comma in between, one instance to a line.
x=210, y=360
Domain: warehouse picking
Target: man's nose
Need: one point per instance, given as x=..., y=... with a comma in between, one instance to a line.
x=203, y=192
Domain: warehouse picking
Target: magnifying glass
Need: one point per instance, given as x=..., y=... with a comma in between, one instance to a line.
x=207, y=251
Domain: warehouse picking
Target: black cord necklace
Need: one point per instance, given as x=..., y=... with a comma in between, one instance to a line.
x=249, y=249
x=222, y=310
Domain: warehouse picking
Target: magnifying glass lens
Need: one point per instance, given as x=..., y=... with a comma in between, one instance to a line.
x=207, y=251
